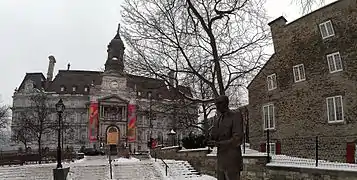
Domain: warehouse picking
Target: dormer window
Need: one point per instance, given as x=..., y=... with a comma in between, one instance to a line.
x=86, y=89
x=63, y=88
x=149, y=94
x=138, y=93
x=74, y=88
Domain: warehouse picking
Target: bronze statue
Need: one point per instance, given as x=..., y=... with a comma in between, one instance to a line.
x=227, y=134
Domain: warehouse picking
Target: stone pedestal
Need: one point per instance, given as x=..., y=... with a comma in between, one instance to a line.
x=60, y=173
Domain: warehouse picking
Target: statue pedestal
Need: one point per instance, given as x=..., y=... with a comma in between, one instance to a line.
x=60, y=173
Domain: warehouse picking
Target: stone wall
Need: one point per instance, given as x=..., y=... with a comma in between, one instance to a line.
x=255, y=166
x=300, y=108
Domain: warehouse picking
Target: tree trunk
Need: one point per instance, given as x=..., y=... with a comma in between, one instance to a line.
x=205, y=122
x=39, y=151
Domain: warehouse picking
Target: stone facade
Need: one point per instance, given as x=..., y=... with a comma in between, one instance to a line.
x=255, y=167
x=300, y=105
x=113, y=90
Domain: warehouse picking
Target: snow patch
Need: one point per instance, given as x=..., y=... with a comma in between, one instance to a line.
x=192, y=150
x=170, y=147
x=125, y=160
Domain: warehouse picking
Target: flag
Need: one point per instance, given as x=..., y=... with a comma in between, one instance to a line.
x=131, y=123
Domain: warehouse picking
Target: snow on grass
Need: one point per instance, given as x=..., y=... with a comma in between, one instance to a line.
x=288, y=161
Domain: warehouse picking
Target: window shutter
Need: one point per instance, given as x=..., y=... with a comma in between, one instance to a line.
x=278, y=147
x=263, y=147
x=350, y=152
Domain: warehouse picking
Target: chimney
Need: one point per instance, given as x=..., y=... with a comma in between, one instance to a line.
x=68, y=66
x=51, y=67
x=172, y=78
x=276, y=28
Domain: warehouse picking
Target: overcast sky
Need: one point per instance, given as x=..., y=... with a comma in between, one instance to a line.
x=74, y=31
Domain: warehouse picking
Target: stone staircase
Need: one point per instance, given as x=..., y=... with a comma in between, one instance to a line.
x=178, y=169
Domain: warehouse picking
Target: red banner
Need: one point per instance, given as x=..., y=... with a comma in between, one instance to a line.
x=93, y=121
x=132, y=123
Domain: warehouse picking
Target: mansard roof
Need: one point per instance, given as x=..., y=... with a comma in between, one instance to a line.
x=82, y=79
x=37, y=78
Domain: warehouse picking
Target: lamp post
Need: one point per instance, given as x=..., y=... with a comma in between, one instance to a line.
x=172, y=133
x=150, y=112
x=59, y=108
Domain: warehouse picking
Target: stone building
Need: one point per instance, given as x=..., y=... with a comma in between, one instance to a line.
x=113, y=90
x=308, y=87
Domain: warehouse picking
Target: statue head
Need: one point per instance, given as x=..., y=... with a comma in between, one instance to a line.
x=221, y=103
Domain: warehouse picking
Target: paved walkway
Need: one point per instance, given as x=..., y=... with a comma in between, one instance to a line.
x=92, y=168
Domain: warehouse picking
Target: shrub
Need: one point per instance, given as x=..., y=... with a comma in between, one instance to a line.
x=194, y=141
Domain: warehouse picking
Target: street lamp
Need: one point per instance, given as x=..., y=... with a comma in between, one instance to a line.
x=150, y=112
x=172, y=133
x=59, y=108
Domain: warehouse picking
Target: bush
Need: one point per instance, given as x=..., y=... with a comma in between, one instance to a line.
x=194, y=141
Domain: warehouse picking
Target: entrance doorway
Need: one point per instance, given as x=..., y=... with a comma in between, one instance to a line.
x=113, y=137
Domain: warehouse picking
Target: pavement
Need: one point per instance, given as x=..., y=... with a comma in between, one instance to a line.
x=90, y=168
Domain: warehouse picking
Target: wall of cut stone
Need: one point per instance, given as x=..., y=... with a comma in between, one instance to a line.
x=300, y=107
x=255, y=167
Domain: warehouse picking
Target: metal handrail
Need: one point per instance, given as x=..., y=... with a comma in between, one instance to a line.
x=166, y=166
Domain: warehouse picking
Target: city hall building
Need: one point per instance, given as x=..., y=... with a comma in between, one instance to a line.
x=109, y=106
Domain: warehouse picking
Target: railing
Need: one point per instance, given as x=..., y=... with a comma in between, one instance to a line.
x=312, y=150
x=166, y=166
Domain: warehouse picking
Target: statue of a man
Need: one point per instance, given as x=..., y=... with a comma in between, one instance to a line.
x=227, y=134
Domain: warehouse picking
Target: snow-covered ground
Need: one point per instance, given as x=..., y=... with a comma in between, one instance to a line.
x=90, y=168
x=289, y=161
x=179, y=170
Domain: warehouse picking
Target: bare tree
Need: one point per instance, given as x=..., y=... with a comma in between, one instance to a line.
x=214, y=40
x=4, y=116
x=307, y=5
x=36, y=120
x=23, y=135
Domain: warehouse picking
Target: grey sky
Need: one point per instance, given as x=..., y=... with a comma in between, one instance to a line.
x=74, y=31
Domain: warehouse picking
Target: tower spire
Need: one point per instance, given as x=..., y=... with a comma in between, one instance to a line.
x=117, y=36
x=115, y=60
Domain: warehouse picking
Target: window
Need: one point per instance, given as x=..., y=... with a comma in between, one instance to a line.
x=272, y=148
x=268, y=116
x=86, y=89
x=299, y=73
x=138, y=93
x=326, y=29
x=271, y=80
x=334, y=62
x=143, y=120
x=334, y=109
x=74, y=88
x=63, y=88
x=139, y=135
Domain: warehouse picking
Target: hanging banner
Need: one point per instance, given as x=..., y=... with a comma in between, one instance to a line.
x=131, y=123
x=93, y=121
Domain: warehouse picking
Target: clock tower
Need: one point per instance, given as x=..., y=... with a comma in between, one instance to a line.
x=114, y=77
